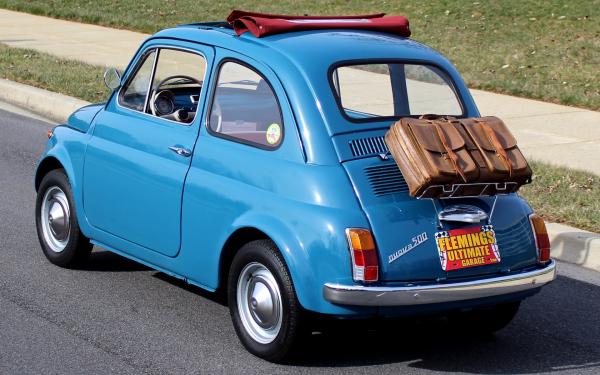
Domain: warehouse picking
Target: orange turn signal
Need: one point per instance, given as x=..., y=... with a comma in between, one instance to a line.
x=360, y=239
x=49, y=133
x=365, y=263
x=542, y=241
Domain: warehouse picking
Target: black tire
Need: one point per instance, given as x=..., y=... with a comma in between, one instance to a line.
x=486, y=319
x=75, y=248
x=264, y=253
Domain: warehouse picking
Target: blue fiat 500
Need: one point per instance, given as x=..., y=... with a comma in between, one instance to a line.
x=257, y=166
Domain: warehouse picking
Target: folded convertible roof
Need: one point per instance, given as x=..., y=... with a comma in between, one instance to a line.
x=263, y=24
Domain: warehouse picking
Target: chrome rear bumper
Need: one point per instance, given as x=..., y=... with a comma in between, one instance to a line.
x=360, y=295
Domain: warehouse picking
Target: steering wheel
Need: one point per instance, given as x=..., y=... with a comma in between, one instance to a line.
x=163, y=82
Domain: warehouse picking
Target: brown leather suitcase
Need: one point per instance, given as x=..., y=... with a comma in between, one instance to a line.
x=494, y=150
x=430, y=152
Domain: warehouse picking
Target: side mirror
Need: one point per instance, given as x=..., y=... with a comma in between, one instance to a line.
x=112, y=78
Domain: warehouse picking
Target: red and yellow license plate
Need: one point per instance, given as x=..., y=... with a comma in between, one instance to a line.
x=467, y=247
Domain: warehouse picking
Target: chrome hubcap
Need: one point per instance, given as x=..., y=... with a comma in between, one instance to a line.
x=259, y=303
x=56, y=219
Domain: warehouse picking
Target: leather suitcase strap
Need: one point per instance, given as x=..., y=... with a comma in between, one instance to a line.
x=451, y=155
x=403, y=157
x=500, y=151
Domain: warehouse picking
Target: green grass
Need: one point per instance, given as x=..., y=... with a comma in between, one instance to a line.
x=48, y=72
x=564, y=195
x=558, y=194
x=547, y=50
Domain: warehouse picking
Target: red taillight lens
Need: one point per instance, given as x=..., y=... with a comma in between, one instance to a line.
x=542, y=241
x=365, y=264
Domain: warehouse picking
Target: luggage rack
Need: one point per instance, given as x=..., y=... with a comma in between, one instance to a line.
x=470, y=190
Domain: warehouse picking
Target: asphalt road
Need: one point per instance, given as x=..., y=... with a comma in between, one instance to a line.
x=116, y=316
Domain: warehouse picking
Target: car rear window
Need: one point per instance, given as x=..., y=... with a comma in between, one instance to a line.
x=373, y=91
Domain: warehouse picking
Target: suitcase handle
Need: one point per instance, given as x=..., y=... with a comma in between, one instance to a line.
x=498, y=146
x=449, y=151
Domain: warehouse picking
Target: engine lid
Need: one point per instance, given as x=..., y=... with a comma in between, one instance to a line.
x=407, y=231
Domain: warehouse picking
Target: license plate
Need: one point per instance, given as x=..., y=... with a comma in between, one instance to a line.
x=467, y=247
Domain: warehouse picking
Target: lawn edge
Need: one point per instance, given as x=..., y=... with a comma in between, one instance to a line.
x=48, y=104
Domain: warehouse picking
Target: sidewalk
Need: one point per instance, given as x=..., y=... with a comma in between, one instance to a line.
x=575, y=246
x=556, y=134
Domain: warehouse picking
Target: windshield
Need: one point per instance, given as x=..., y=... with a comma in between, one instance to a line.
x=369, y=91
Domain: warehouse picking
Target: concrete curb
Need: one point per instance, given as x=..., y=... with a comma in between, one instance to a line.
x=575, y=246
x=56, y=107
x=569, y=244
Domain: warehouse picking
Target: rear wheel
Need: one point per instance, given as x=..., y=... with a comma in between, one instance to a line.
x=486, y=319
x=56, y=222
x=262, y=301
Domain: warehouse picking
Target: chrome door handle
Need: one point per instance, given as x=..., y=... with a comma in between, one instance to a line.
x=180, y=151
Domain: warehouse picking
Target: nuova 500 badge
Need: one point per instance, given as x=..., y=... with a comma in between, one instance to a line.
x=467, y=247
x=416, y=241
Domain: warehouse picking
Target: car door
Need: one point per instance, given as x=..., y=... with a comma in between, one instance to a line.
x=139, y=154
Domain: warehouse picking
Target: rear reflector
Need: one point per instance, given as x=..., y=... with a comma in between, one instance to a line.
x=542, y=241
x=365, y=264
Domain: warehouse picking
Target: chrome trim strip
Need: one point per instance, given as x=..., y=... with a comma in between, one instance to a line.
x=151, y=82
x=360, y=295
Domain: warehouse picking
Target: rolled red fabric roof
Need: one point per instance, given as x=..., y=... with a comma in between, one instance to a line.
x=262, y=24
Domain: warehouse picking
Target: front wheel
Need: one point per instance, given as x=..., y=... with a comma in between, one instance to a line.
x=262, y=301
x=56, y=222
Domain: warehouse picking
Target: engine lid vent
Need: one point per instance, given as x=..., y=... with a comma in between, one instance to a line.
x=368, y=146
x=386, y=179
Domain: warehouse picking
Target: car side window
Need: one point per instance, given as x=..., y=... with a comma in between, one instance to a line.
x=133, y=95
x=245, y=108
x=176, y=85
x=175, y=78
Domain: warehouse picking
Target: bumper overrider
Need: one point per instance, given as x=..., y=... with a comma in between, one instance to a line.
x=360, y=295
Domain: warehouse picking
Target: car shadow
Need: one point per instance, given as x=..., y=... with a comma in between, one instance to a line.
x=101, y=260
x=430, y=344
x=217, y=297
x=555, y=330
x=105, y=261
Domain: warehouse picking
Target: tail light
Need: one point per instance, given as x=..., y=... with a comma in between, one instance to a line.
x=365, y=264
x=542, y=241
